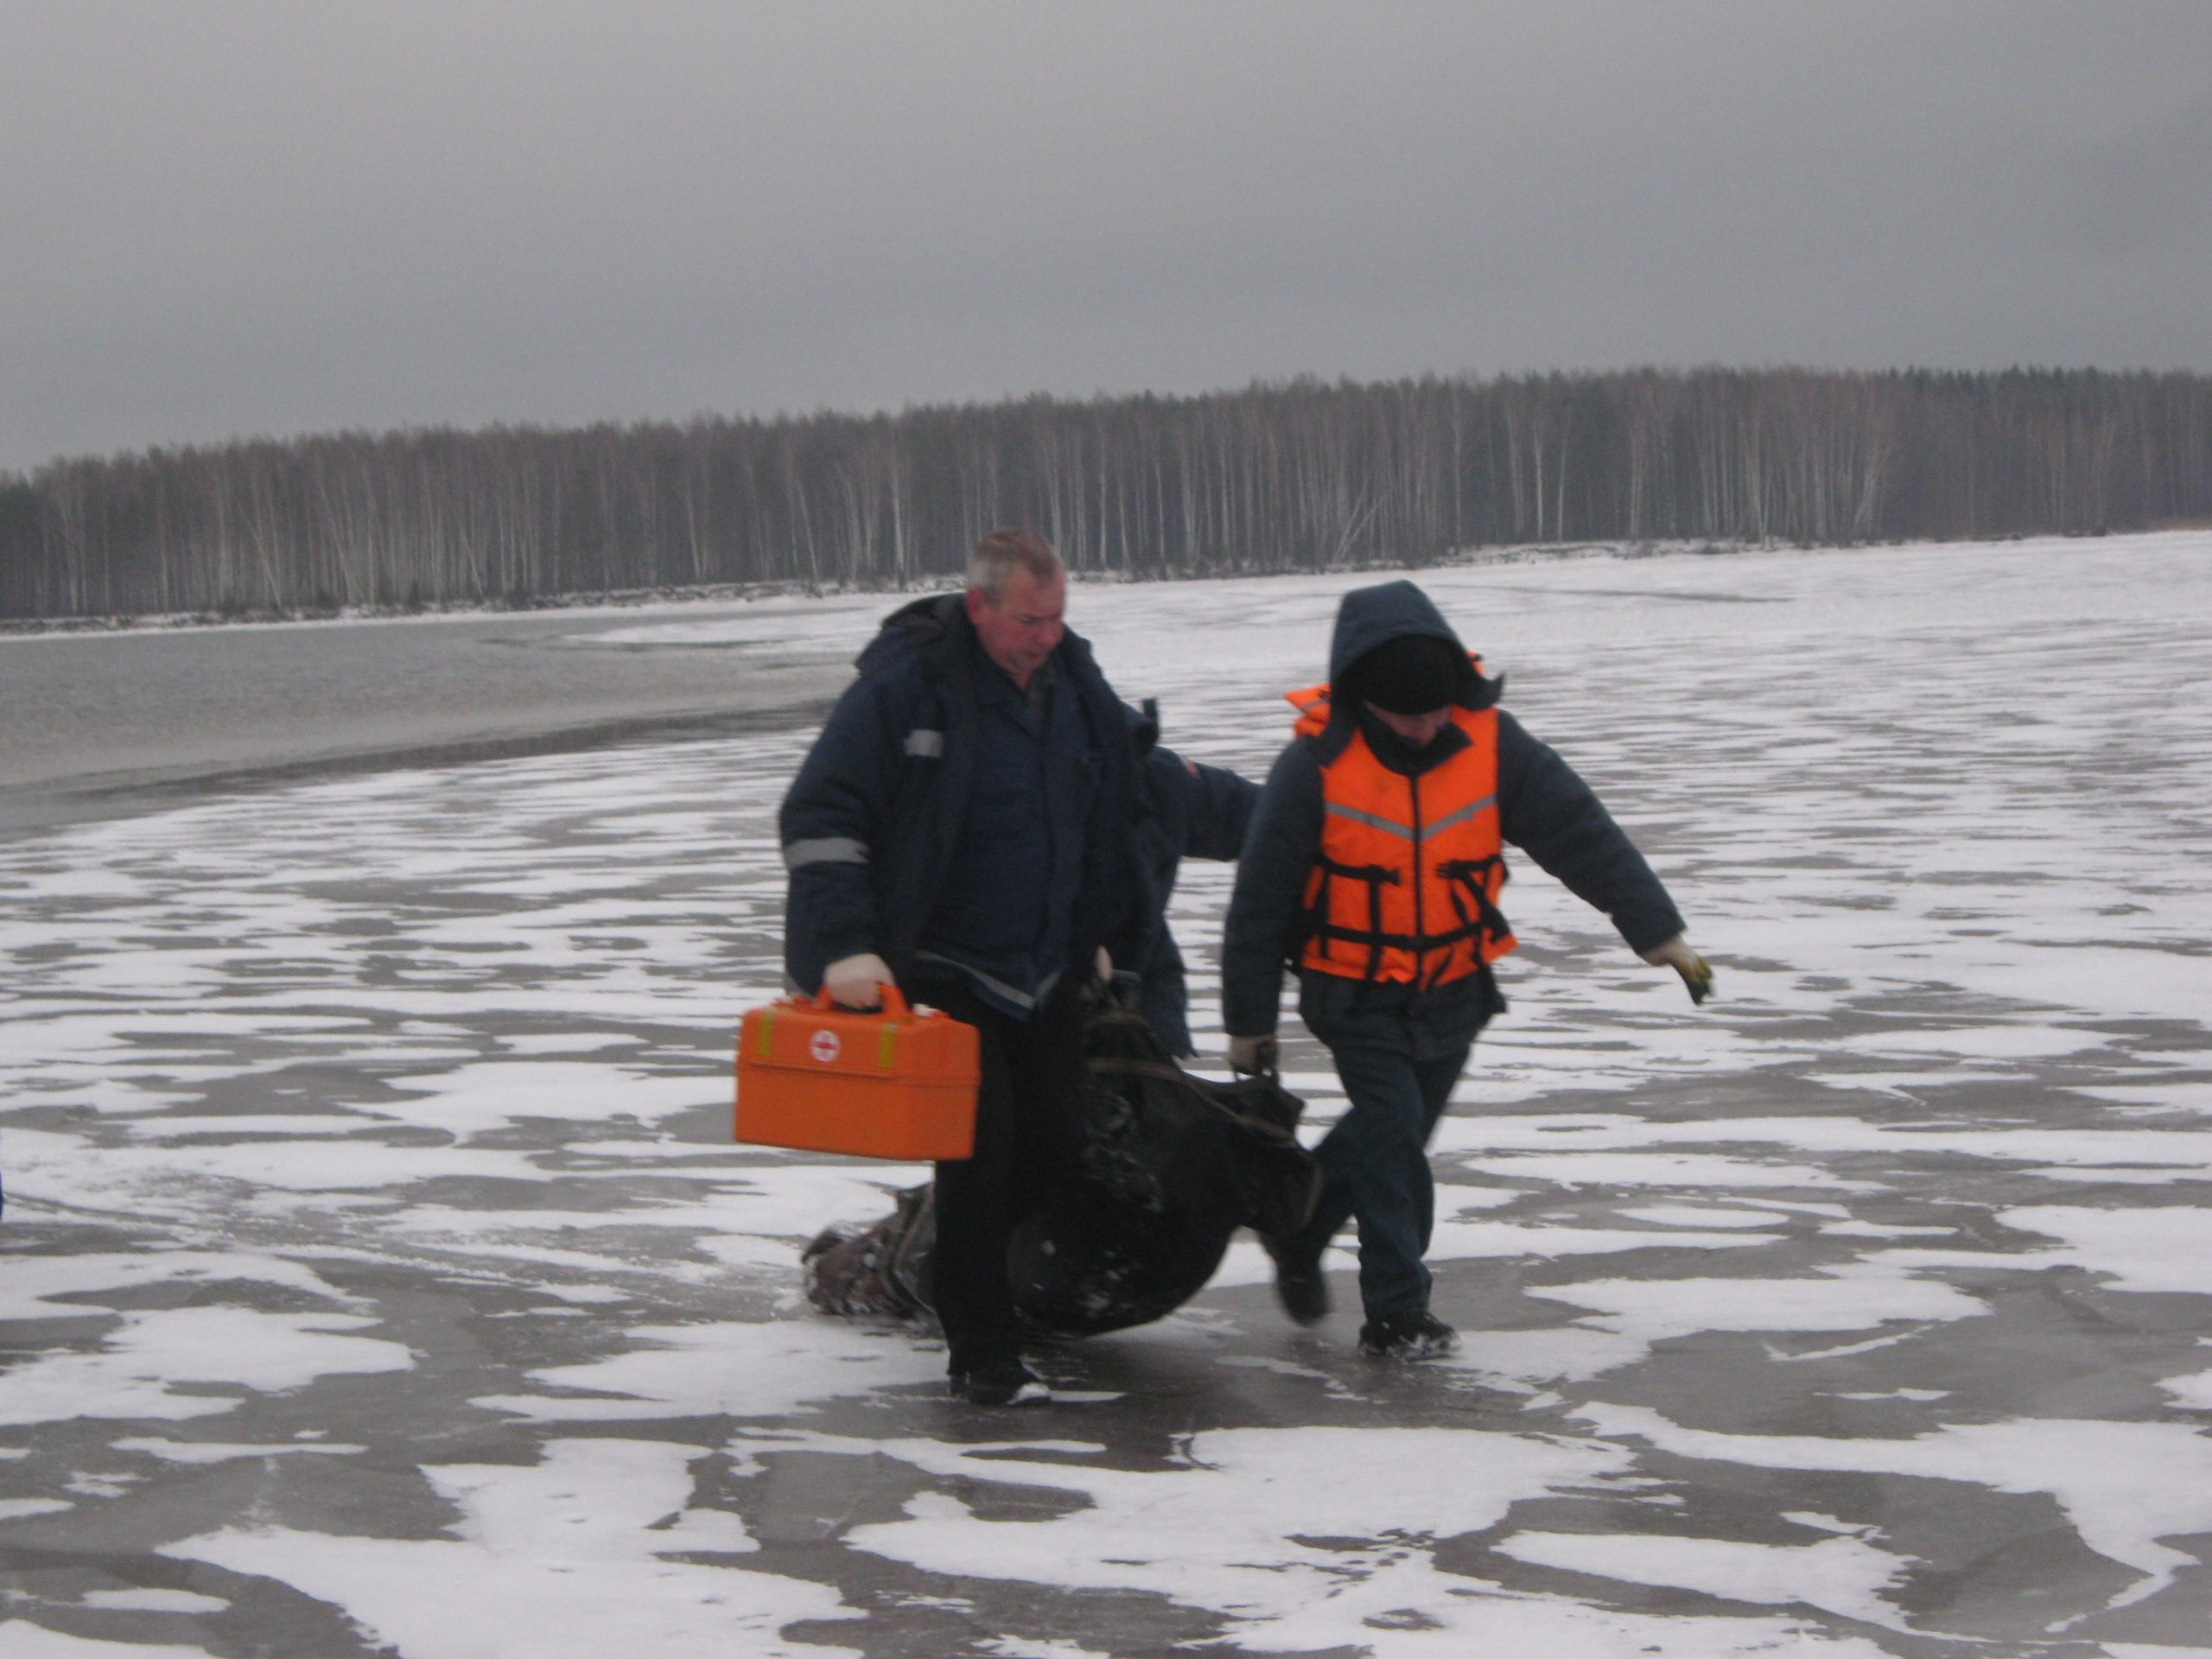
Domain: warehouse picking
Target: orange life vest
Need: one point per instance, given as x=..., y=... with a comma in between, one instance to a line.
x=1405, y=887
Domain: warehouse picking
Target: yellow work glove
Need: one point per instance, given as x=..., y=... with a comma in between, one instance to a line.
x=1696, y=971
x=857, y=981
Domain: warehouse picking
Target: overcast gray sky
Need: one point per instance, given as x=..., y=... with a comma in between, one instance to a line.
x=222, y=219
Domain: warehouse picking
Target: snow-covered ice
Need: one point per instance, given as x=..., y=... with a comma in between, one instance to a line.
x=378, y=1276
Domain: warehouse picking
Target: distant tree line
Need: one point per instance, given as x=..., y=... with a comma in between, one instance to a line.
x=1290, y=476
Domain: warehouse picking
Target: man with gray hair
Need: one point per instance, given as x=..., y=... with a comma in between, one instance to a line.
x=964, y=829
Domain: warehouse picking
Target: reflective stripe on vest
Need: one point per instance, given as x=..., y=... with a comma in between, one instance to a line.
x=1406, y=884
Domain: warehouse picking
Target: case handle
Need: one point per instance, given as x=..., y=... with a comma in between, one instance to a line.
x=894, y=1001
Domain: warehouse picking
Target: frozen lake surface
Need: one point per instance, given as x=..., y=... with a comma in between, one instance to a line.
x=378, y=1275
x=95, y=723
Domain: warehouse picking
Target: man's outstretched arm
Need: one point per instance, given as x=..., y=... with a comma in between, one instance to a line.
x=1547, y=811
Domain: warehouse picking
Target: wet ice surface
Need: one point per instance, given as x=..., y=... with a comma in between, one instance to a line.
x=378, y=1276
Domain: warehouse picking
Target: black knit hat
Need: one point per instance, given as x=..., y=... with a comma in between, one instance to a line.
x=1413, y=674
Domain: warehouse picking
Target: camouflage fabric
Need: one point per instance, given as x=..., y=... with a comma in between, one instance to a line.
x=1172, y=1166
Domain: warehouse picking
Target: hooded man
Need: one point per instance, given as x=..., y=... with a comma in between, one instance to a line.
x=1374, y=866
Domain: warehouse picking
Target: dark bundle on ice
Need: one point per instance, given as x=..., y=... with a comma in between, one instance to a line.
x=1172, y=1166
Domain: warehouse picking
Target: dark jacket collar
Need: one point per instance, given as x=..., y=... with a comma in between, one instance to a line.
x=1398, y=756
x=934, y=632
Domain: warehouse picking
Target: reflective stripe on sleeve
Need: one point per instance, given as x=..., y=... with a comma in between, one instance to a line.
x=1019, y=999
x=825, y=849
x=926, y=744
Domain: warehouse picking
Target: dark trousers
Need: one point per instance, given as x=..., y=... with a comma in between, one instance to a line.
x=1375, y=1167
x=1026, y=1139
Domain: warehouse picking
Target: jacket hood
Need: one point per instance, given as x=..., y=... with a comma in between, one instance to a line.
x=931, y=623
x=1368, y=617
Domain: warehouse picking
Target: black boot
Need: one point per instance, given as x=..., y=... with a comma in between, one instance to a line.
x=999, y=1379
x=1300, y=1285
x=1411, y=1333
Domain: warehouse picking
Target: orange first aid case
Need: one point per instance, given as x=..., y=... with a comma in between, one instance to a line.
x=898, y=1083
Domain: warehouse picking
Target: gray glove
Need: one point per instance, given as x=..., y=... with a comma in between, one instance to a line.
x=1252, y=1057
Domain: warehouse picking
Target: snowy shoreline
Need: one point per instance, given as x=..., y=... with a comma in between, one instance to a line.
x=649, y=599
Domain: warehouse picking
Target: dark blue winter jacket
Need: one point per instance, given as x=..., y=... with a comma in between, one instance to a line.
x=1544, y=809
x=942, y=818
